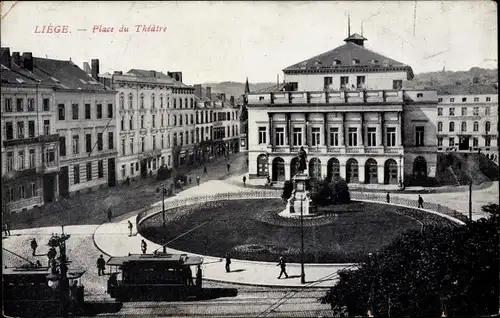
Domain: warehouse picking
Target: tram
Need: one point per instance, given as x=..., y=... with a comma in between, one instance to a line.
x=149, y=276
x=28, y=292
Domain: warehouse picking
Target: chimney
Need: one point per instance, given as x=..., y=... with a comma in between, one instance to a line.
x=231, y=100
x=86, y=68
x=95, y=69
x=118, y=72
x=197, y=90
x=152, y=73
x=16, y=58
x=28, y=61
x=176, y=76
x=208, y=92
x=6, y=56
x=223, y=97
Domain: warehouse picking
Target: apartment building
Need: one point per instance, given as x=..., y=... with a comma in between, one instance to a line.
x=30, y=145
x=467, y=119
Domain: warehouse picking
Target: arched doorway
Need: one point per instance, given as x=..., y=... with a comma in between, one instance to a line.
x=315, y=168
x=371, y=175
x=390, y=172
x=352, y=171
x=333, y=169
x=419, y=171
x=262, y=165
x=294, y=167
x=278, y=169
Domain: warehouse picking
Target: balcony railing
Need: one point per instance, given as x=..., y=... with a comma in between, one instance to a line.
x=31, y=140
x=331, y=97
x=336, y=149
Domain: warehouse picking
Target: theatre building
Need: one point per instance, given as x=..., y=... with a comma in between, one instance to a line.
x=347, y=107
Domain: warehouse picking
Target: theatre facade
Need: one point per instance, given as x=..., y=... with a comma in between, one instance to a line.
x=349, y=111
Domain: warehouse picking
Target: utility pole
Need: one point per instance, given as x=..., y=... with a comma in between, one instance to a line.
x=164, y=192
x=302, y=274
x=470, y=201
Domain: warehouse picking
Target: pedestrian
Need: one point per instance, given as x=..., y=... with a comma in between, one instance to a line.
x=228, y=263
x=205, y=169
x=128, y=181
x=198, y=180
x=420, y=202
x=110, y=215
x=73, y=291
x=198, y=277
x=130, y=227
x=388, y=197
x=268, y=180
x=51, y=255
x=282, y=264
x=38, y=264
x=6, y=229
x=189, y=276
x=228, y=167
x=144, y=246
x=34, y=245
x=189, y=180
x=101, y=265
x=244, y=180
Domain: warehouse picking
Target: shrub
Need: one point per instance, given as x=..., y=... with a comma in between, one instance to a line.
x=325, y=192
x=341, y=193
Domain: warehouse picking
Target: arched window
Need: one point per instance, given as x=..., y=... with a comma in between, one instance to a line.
x=475, y=126
x=152, y=100
x=142, y=100
x=175, y=120
x=463, y=126
x=130, y=100
x=487, y=126
x=452, y=126
x=122, y=101
x=440, y=126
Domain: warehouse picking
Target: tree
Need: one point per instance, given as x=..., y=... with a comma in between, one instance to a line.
x=326, y=192
x=450, y=270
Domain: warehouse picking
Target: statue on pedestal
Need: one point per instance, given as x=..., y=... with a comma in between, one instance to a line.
x=302, y=159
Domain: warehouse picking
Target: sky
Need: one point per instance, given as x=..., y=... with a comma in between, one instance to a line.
x=229, y=41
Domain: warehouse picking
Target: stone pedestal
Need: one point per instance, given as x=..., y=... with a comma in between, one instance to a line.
x=300, y=199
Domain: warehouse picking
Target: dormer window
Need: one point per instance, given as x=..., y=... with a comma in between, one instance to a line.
x=317, y=62
x=374, y=61
x=420, y=95
x=385, y=62
x=336, y=62
x=355, y=61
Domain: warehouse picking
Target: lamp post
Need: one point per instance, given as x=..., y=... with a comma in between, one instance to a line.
x=302, y=274
x=401, y=170
x=164, y=192
x=59, y=280
x=470, y=201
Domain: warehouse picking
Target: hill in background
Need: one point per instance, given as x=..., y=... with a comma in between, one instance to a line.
x=430, y=79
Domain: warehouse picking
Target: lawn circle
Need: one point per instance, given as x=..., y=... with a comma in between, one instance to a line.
x=251, y=229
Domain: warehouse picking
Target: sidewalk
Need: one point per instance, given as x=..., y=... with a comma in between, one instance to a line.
x=112, y=239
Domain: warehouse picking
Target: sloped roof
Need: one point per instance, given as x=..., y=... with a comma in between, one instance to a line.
x=65, y=75
x=340, y=60
x=355, y=36
x=157, y=74
x=475, y=89
x=16, y=76
x=270, y=89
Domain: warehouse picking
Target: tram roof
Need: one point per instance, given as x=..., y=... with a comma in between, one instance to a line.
x=182, y=259
x=73, y=273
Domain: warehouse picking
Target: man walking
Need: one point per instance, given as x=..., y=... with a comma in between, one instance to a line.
x=110, y=215
x=388, y=197
x=228, y=263
x=130, y=227
x=6, y=228
x=34, y=245
x=244, y=180
x=101, y=265
x=228, y=167
x=282, y=264
x=144, y=246
x=198, y=180
x=420, y=202
x=205, y=169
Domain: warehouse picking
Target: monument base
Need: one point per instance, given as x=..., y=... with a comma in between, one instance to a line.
x=299, y=202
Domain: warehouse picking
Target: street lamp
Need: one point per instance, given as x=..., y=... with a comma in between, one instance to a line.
x=400, y=170
x=302, y=273
x=59, y=280
x=470, y=201
x=164, y=192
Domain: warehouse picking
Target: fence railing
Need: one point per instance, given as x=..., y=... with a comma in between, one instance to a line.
x=276, y=193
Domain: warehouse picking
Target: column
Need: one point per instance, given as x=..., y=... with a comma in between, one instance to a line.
x=287, y=129
x=325, y=128
x=380, y=174
x=360, y=135
x=342, y=131
x=362, y=129
x=287, y=171
x=382, y=128
x=361, y=172
x=379, y=131
x=323, y=169
x=270, y=133
x=342, y=171
x=401, y=129
x=306, y=129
